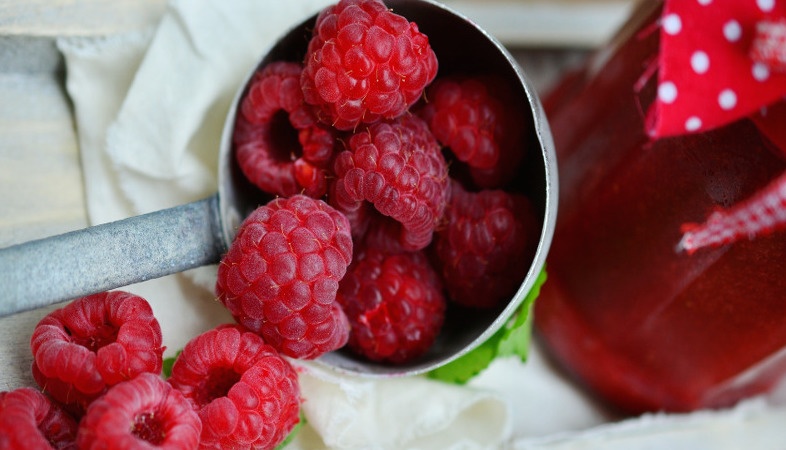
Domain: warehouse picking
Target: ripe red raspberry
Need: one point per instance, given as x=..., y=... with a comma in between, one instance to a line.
x=95, y=342
x=476, y=120
x=399, y=169
x=279, y=144
x=486, y=247
x=281, y=273
x=365, y=63
x=30, y=420
x=142, y=413
x=246, y=395
x=395, y=304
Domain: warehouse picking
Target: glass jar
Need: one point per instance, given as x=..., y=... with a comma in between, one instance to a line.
x=644, y=326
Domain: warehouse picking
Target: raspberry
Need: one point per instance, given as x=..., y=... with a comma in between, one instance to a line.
x=279, y=144
x=474, y=118
x=485, y=248
x=394, y=303
x=281, y=273
x=142, y=413
x=399, y=169
x=30, y=420
x=246, y=395
x=365, y=63
x=95, y=342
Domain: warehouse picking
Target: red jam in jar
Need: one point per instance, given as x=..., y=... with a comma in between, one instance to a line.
x=644, y=326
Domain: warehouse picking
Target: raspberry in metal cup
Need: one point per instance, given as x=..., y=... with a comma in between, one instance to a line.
x=461, y=48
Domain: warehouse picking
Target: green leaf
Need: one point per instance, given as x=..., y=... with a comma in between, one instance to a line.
x=166, y=368
x=517, y=333
x=513, y=339
x=293, y=433
x=467, y=366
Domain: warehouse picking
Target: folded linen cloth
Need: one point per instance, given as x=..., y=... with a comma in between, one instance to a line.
x=150, y=106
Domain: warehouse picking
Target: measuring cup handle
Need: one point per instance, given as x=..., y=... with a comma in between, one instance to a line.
x=112, y=255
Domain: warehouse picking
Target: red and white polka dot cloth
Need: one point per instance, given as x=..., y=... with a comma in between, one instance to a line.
x=720, y=61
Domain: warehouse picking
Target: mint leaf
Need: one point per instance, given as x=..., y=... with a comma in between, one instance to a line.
x=513, y=339
x=288, y=440
x=467, y=366
x=517, y=332
x=166, y=368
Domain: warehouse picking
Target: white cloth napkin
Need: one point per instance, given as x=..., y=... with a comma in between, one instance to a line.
x=150, y=106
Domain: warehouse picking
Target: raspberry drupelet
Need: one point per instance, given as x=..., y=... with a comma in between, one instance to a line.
x=279, y=144
x=95, y=342
x=395, y=168
x=486, y=245
x=281, y=273
x=144, y=413
x=247, y=396
x=365, y=63
x=31, y=420
x=395, y=304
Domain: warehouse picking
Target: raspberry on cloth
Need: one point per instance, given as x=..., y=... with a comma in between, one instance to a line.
x=93, y=343
x=144, y=412
x=31, y=420
x=245, y=393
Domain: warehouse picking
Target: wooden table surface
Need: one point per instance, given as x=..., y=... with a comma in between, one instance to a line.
x=41, y=188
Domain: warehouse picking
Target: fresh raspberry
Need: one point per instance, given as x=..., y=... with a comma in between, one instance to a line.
x=475, y=119
x=395, y=304
x=142, y=413
x=95, y=342
x=246, y=394
x=30, y=420
x=279, y=144
x=399, y=169
x=365, y=63
x=281, y=273
x=486, y=247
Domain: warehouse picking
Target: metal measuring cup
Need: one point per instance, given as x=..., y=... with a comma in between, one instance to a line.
x=112, y=255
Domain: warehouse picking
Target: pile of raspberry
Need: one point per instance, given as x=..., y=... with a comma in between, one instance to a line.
x=98, y=365
x=393, y=198
x=418, y=172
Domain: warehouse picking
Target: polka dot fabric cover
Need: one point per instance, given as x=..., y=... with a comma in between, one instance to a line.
x=720, y=60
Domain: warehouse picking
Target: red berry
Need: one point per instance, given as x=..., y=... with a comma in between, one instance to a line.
x=476, y=120
x=281, y=273
x=486, y=247
x=365, y=63
x=394, y=303
x=246, y=395
x=95, y=342
x=30, y=420
x=396, y=167
x=279, y=144
x=142, y=413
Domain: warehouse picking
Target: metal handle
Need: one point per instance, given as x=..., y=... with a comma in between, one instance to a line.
x=108, y=256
